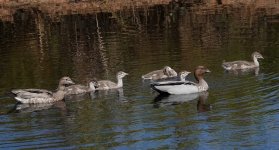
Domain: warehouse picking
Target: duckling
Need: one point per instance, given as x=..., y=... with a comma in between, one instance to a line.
x=160, y=74
x=181, y=77
x=79, y=89
x=41, y=95
x=241, y=64
x=184, y=87
x=106, y=84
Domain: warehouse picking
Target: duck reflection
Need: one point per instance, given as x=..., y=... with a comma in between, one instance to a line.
x=163, y=100
x=78, y=97
x=27, y=108
x=117, y=93
x=202, y=105
x=247, y=71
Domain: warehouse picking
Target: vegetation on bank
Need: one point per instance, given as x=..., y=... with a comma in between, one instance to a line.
x=64, y=7
x=79, y=5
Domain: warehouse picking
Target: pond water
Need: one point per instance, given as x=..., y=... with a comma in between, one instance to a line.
x=240, y=110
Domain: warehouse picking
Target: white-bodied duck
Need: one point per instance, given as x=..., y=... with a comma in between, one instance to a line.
x=107, y=84
x=184, y=87
x=160, y=74
x=42, y=96
x=80, y=89
x=241, y=64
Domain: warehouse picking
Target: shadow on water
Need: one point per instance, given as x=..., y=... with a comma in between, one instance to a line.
x=28, y=108
x=163, y=100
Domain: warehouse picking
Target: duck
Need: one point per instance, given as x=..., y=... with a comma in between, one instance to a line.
x=160, y=74
x=181, y=77
x=80, y=89
x=184, y=87
x=107, y=84
x=33, y=96
x=241, y=64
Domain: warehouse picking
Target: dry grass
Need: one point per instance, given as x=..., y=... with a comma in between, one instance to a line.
x=63, y=7
x=53, y=6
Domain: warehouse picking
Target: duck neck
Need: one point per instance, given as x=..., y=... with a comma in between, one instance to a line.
x=256, y=62
x=182, y=78
x=119, y=82
x=167, y=72
x=202, y=84
x=91, y=86
x=60, y=93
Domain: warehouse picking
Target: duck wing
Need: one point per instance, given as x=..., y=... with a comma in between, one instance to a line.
x=34, y=100
x=34, y=97
x=164, y=83
x=76, y=89
x=34, y=94
x=166, y=86
x=38, y=91
x=27, y=95
x=106, y=84
x=153, y=74
x=236, y=64
x=175, y=78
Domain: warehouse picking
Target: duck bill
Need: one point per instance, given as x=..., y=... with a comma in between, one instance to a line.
x=71, y=83
x=207, y=71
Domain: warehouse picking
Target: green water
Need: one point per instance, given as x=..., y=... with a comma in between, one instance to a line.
x=240, y=110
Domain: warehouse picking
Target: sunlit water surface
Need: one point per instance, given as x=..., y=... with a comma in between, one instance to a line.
x=241, y=109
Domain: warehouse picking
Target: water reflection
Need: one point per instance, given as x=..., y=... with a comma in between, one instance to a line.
x=163, y=100
x=239, y=72
x=80, y=97
x=28, y=108
x=117, y=94
x=36, y=50
x=203, y=105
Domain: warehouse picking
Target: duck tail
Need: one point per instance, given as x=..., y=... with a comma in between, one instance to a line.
x=226, y=65
x=145, y=77
x=16, y=91
x=21, y=100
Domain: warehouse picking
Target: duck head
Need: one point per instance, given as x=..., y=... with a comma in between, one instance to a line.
x=169, y=71
x=94, y=84
x=257, y=55
x=200, y=71
x=66, y=81
x=183, y=74
x=121, y=74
